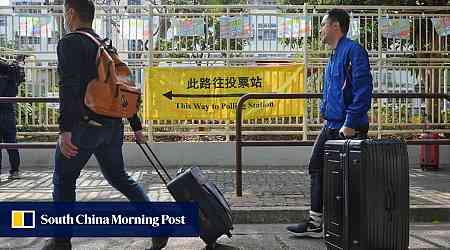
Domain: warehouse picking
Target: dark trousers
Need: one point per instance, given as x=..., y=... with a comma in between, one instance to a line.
x=8, y=133
x=315, y=165
x=106, y=144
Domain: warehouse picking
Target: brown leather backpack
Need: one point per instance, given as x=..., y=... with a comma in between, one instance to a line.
x=111, y=94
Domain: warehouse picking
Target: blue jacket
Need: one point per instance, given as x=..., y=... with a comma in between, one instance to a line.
x=347, y=91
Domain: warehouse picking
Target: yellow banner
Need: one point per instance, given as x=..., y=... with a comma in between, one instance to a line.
x=212, y=93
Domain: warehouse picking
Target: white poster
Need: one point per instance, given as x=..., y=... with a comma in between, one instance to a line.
x=395, y=28
x=442, y=25
x=235, y=27
x=294, y=27
x=187, y=26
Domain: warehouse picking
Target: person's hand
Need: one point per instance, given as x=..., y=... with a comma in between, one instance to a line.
x=139, y=137
x=65, y=144
x=346, y=132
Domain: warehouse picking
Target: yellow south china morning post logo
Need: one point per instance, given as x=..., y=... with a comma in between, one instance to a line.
x=22, y=219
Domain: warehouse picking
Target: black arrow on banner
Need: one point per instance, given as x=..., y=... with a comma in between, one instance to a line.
x=171, y=95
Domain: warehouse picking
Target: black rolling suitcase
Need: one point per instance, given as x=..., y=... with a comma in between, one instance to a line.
x=366, y=194
x=193, y=185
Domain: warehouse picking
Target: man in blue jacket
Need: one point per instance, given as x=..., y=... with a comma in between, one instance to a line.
x=347, y=94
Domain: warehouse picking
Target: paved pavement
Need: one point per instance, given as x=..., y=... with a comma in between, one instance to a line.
x=280, y=189
x=262, y=187
x=255, y=237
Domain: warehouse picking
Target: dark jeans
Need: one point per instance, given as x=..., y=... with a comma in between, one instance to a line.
x=106, y=144
x=8, y=133
x=315, y=165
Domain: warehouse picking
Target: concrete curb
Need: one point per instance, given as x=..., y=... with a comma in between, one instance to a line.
x=286, y=215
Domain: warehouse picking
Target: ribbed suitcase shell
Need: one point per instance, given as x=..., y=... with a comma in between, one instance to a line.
x=366, y=194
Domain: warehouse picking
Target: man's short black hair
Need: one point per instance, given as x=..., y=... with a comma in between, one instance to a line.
x=84, y=8
x=340, y=16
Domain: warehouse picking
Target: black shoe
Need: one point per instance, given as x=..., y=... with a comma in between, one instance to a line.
x=14, y=175
x=159, y=243
x=307, y=229
x=53, y=244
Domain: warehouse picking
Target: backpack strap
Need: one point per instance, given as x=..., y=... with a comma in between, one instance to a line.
x=111, y=57
x=90, y=36
x=101, y=51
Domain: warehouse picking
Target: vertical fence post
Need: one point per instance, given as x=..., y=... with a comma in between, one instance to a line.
x=305, y=75
x=380, y=64
x=227, y=130
x=109, y=12
x=446, y=84
x=227, y=63
x=150, y=64
x=238, y=139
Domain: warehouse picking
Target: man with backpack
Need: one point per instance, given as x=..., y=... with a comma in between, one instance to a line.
x=83, y=132
x=347, y=93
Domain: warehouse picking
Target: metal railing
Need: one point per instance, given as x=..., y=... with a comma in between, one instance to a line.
x=239, y=142
x=146, y=35
x=243, y=99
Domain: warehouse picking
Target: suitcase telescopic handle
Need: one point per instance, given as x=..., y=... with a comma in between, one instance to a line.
x=153, y=164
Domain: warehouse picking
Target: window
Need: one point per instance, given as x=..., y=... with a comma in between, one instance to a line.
x=266, y=29
x=29, y=11
x=389, y=80
x=134, y=2
x=29, y=40
x=268, y=2
x=52, y=40
x=267, y=35
x=135, y=45
x=267, y=25
x=2, y=29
